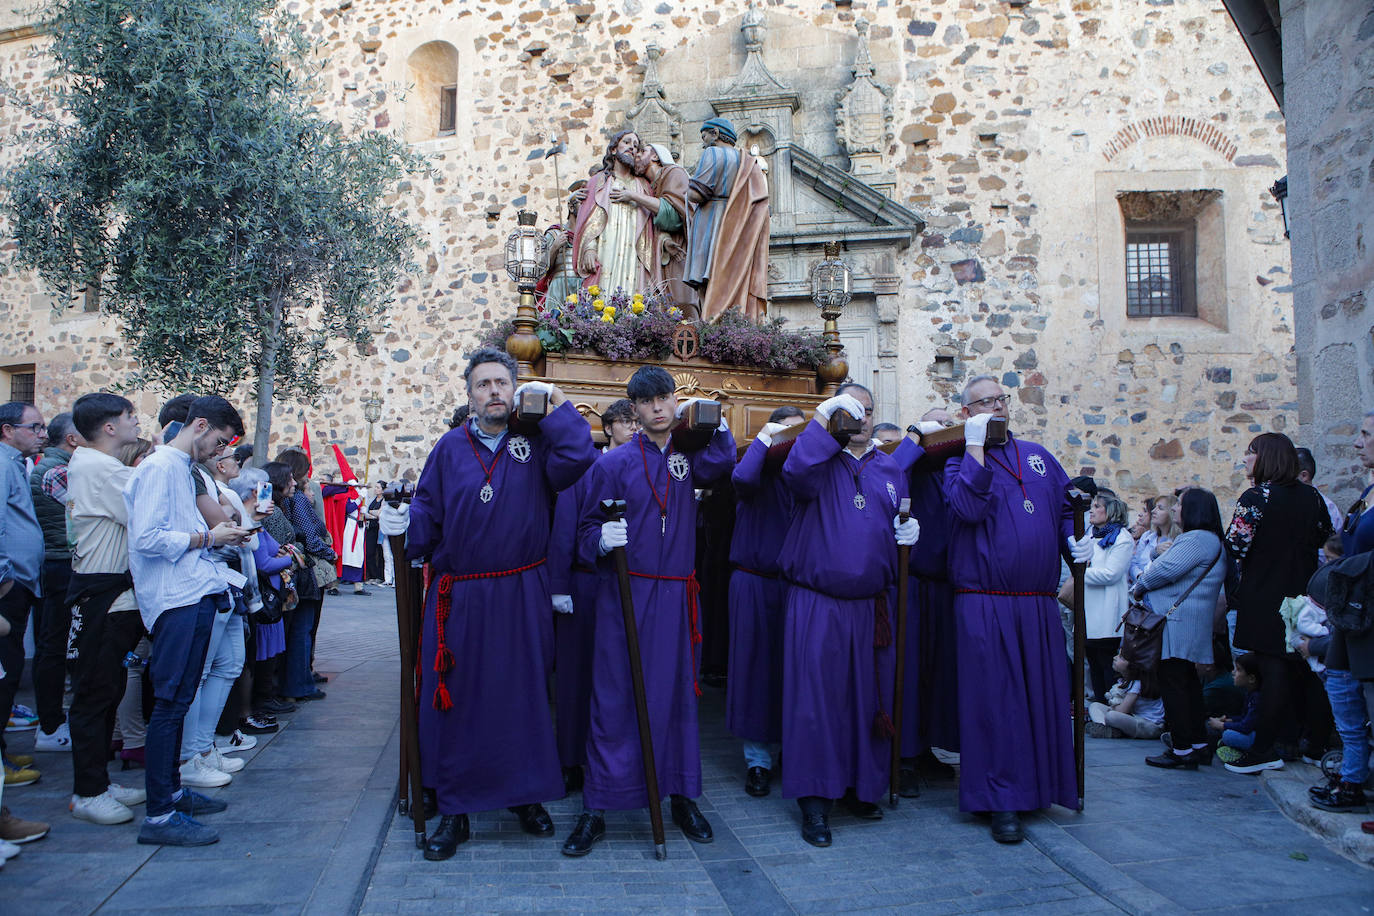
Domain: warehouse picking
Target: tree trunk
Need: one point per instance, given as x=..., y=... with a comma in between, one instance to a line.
x=267, y=378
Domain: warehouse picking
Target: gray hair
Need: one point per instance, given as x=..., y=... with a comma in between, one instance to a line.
x=1118, y=513
x=245, y=486
x=59, y=428
x=963, y=395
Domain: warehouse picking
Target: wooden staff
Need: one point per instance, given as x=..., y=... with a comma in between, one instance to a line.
x=614, y=510
x=409, y=596
x=1078, y=504
x=899, y=682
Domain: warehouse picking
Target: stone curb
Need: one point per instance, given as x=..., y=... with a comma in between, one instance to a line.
x=343, y=883
x=1340, y=832
x=1094, y=872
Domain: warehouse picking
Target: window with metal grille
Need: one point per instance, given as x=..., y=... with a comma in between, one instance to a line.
x=1160, y=273
x=22, y=387
x=448, y=110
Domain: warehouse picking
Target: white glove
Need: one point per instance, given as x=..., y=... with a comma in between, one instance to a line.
x=1082, y=549
x=926, y=427
x=683, y=405
x=613, y=535
x=563, y=604
x=907, y=531
x=976, y=429
x=769, y=431
x=544, y=387
x=850, y=403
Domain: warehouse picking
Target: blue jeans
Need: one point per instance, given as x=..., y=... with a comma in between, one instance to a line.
x=1238, y=740
x=299, y=681
x=760, y=754
x=181, y=637
x=223, y=665
x=1348, y=709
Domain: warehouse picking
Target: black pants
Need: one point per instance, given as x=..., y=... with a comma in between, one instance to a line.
x=1313, y=707
x=1181, y=690
x=1100, y=653
x=52, y=624
x=15, y=608
x=315, y=627
x=97, y=687
x=1276, y=720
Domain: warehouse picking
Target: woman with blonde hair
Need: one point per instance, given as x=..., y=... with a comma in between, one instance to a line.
x=1159, y=537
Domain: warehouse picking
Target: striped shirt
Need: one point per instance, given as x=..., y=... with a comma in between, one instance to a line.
x=161, y=499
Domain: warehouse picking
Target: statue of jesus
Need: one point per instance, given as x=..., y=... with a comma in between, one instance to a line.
x=613, y=237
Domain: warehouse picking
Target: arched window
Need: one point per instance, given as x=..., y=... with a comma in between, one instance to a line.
x=432, y=99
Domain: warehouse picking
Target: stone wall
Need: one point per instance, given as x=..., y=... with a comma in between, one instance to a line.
x=1015, y=127
x=1328, y=68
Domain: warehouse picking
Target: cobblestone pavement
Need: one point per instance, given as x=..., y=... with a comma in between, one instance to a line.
x=311, y=828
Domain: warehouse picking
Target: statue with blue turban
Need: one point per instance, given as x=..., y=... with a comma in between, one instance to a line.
x=727, y=235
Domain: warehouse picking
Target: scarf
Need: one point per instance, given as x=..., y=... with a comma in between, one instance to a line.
x=1106, y=535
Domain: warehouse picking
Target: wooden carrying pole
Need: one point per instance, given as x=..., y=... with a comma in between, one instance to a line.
x=899, y=681
x=614, y=510
x=1080, y=644
x=409, y=596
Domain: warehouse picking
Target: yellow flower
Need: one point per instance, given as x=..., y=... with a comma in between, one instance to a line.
x=594, y=290
x=572, y=299
x=608, y=315
x=638, y=297
x=598, y=304
x=637, y=306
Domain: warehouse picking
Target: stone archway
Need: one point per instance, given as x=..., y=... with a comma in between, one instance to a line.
x=432, y=97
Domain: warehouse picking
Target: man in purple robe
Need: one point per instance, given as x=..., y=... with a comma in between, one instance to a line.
x=656, y=481
x=480, y=516
x=840, y=557
x=1010, y=520
x=574, y=598
x=930, y=715
x=753, y=698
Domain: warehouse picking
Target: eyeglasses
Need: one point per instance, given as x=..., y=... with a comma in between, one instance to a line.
x=1000, y=400
x=32, y=427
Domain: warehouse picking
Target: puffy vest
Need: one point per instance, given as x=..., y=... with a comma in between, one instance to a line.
x=52, y=515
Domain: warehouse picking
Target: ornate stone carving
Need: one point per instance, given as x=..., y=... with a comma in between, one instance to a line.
x=863, y=117
x=654, y=118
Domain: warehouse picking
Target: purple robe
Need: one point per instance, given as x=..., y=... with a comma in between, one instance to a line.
x=572, y=633
x=930, y=712
x=758, y=595
x=495, y=747
x=1015, y=730
x=658, y=547
x=838, y=558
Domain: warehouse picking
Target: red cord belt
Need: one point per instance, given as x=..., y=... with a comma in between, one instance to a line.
x=443, y=657
x=693, y=589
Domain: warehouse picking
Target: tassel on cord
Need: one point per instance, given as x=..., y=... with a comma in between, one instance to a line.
x=883, y=727
x=442, y=701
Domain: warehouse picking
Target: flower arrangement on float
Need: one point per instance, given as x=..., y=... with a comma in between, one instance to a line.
x=638, y=326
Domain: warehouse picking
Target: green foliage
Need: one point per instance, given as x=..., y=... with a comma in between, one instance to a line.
x=234, y=230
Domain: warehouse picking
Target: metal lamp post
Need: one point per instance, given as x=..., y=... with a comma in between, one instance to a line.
x=372, y=412
x=831, y=291
x=527, y=259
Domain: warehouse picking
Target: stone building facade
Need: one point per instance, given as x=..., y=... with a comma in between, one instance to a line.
x=995, y=168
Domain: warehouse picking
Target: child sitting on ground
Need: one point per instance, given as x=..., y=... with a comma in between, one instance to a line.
x=1237, y=735
x=1133, y=708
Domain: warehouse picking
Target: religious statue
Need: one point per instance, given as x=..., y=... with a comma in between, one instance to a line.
x=613, y=236
x=727, y=235
x=666, y=204
x=562, y=280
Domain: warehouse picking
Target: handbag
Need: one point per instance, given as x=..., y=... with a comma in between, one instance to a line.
x=272, y=602
x=1142, y=637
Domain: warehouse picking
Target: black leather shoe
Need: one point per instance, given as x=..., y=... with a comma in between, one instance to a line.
x=319, y=678
x=453, y=829
x=1006, y=827
x=865, y=811
x=908, y=784
x=691, y=821
x=589, y=829
x=573, y=779
x=1170, y=760
x=534, y=820
x=317, y=695
x=816, y=828
x=758, y=782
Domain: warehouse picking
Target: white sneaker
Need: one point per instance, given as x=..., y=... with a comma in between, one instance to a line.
x=200, y=773
x=100, y=809
x=238, y=741
x=9, y=850
x=60, y=740
x=222, y=763
x=127, y=797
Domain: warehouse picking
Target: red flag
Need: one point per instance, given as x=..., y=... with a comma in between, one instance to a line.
x=305, y=444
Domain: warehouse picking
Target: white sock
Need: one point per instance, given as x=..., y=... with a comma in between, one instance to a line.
x=161, y=818
x=1183, y=753
x=1200, y=745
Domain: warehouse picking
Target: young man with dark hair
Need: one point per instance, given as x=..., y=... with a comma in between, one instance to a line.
x=174, y=411
x=480, y=516
x=657, y=483
x=753, y=697
x=573, y=586
x=1307, y=472
x=840, y=555
x=180, y=590
x=102, y=587
x=53, y=616
x=22, y=435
